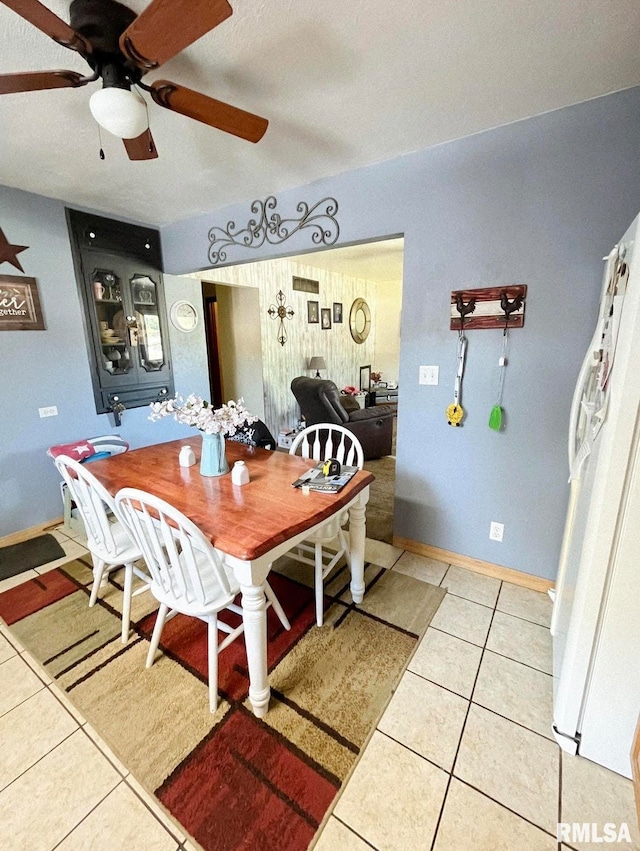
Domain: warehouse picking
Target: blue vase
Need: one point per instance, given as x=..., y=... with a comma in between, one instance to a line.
x=213, y=461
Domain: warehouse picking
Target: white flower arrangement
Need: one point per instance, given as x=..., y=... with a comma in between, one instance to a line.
x=198, y=413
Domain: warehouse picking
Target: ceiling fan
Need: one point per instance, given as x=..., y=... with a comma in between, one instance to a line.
x=121, y=47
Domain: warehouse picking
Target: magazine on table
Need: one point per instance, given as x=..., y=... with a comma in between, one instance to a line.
x=317, y=481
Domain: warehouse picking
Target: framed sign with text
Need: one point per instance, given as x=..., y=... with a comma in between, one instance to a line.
x=20, y=308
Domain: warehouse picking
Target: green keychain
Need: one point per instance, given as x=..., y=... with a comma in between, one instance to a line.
x=497, y=413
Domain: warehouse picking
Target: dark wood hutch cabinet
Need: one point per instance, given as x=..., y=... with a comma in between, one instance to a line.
x=121, y=289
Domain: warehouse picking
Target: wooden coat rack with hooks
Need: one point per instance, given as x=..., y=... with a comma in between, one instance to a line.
x=489, y=307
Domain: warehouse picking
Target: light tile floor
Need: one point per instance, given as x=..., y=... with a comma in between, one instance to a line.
x=462, y=758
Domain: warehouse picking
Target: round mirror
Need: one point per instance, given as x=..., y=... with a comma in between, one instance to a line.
x=359, y=320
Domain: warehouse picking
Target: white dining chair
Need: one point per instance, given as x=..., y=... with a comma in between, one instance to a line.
x=108, y=540
x=188, y=575
x=319, y=443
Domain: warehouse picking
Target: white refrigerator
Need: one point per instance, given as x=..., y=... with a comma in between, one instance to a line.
x=596, y=614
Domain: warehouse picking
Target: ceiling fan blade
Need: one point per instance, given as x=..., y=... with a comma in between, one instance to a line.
x=210, y=111
x=33, y=81
x=166, y=27
x=50, y=24
x=142, y=147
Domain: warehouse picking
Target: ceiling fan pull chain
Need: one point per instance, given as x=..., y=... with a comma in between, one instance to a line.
x=146, y=106
x=102, y=156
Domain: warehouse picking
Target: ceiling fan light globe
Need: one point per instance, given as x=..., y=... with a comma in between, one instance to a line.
x=120, y=112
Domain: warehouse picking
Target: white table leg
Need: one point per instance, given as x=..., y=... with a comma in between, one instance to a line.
x=255, y=637
x=357, y=535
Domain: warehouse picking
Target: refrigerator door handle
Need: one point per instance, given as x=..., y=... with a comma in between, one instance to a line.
x=581, y=414
x=580, y=429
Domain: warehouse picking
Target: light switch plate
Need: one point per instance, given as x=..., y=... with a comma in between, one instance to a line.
x=429, y=374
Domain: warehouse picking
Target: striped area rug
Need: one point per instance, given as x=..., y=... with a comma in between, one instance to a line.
x=232, y=781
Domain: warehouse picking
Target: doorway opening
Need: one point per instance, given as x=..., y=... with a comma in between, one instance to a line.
x=370, y=271
x=253, y=362
x=234, y=344
x=213, y=349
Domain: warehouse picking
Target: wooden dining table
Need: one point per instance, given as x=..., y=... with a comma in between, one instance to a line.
x=250, y=525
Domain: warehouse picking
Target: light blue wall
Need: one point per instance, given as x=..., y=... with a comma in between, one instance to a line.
x=538, y=202
x=42, y=368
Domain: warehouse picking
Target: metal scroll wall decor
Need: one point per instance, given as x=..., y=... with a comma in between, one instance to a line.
x=269, y=226
x=281, y=311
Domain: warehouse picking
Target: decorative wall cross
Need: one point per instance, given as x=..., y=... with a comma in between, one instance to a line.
x=281, y=311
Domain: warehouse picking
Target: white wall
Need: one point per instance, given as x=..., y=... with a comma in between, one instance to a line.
x=240, y=346
x=387, y=311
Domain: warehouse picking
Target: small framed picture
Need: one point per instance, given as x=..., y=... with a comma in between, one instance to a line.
x=313, y=312
x=337, y=312
x=326, y=317
x=365, y=378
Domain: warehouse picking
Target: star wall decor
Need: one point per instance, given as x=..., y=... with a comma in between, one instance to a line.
x=9, y=253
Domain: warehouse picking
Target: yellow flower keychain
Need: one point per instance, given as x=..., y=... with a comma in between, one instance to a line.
x=455, y=413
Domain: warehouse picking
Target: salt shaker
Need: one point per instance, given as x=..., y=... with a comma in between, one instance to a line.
x=240, y=473
x=187, y=457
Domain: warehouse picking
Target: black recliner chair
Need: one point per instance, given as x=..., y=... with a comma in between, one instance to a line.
x=321, y=402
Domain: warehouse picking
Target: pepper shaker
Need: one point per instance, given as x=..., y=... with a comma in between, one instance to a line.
x=187, y=457
x=240, y=473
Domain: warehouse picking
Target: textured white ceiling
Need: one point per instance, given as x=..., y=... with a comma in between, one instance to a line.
x=344, y=84
x=372, y=261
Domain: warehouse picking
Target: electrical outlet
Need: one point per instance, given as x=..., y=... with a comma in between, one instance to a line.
x=51, y=411
x=428, y=375
x=496, y=531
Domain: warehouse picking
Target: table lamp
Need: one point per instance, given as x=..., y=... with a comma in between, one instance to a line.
x=317, y=364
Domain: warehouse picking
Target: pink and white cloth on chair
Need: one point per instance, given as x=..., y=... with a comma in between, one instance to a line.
x=82, y=450
x=85, y=451
x=79, y=450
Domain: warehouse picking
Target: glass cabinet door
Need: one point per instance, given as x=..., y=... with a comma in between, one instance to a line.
x=150, y=351
x=115, y=352
x=128, y=327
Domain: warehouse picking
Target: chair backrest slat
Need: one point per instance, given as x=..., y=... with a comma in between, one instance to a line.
x=326, y=440
x=93, y=502
x=182, y=561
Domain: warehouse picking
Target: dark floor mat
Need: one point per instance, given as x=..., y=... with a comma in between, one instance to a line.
x=17, y=558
